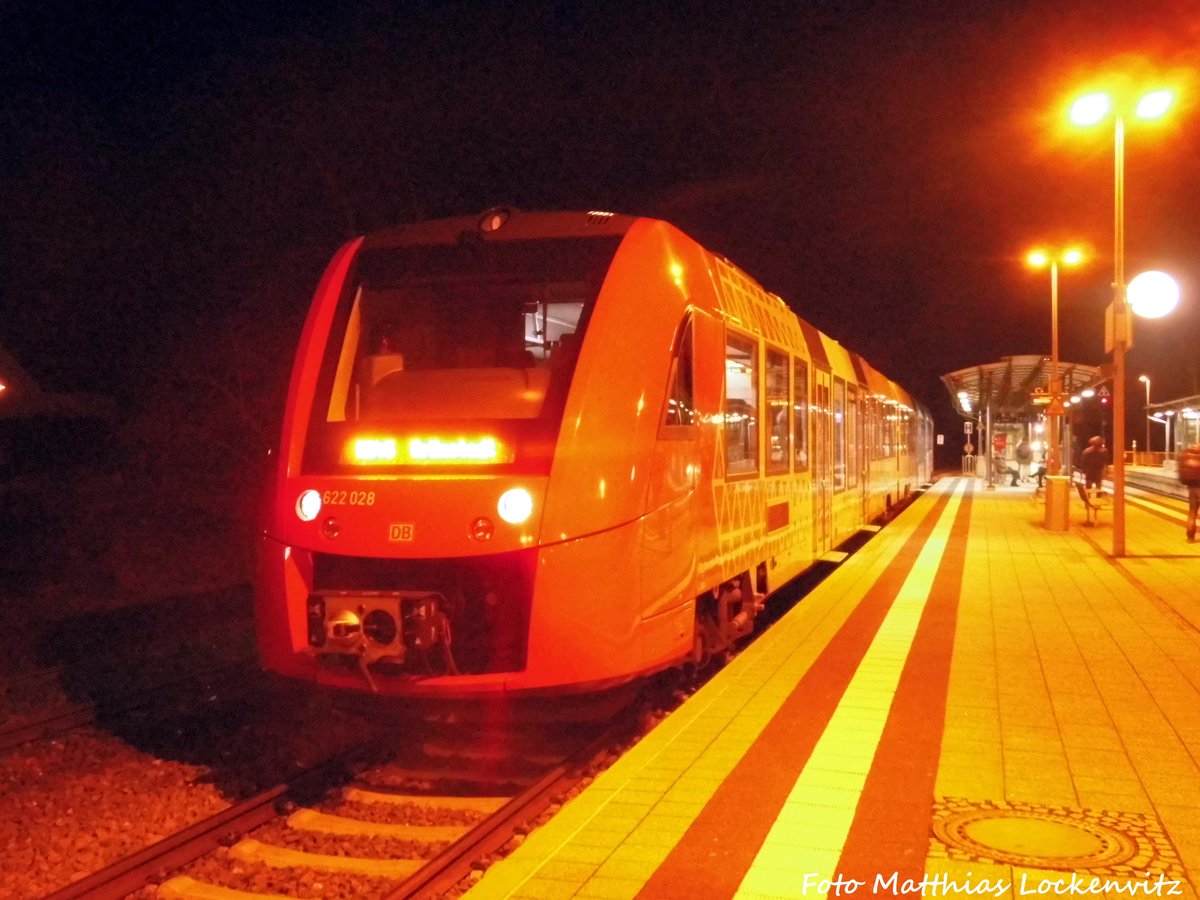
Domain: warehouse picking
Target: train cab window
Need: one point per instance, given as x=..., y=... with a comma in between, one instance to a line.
x=779, y=410
x=800, y=414
x=839, y=434
x=454, y=350
x=741, y=405
x=456, y=339
x=681, y=406
x=550, y=326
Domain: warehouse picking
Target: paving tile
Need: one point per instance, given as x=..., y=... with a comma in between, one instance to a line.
x=609, y=888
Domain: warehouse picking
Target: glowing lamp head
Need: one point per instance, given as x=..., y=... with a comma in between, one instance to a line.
x=1153, y=294
x=1154, y=105
x=308, y=505
x=1038, y=259
x=1091, y=108
x=515, y=506
x=1072, y=257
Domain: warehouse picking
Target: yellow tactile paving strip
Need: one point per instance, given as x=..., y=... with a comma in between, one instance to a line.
x=810, y=833
x=1074, y=687
x=633, y=814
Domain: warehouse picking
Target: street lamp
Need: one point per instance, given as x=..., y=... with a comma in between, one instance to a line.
x=1039, y=259
x=1090, y=110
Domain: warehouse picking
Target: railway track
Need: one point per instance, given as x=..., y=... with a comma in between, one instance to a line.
x=131, y=873
x=411, y=826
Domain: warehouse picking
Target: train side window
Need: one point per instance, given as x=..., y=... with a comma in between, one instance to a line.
x=800, y=414
x=778, y=412
x=741, y=405
x=852, y=443
x=876, y=413
x=839, y=434
x=681, y=404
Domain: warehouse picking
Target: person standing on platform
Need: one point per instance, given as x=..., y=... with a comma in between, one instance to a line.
x=1094, y=461
x=1024, y=455
x=1189, y=474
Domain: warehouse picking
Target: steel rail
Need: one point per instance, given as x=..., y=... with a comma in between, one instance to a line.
x=132, y=872
x=454, y=863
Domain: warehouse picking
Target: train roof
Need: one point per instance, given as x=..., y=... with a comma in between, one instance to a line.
x=504, y=223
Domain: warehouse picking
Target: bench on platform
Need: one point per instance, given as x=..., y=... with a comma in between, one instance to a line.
x=1094, y=502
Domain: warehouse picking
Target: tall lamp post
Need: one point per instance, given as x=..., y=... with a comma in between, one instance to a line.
x=1090, y=110
x=1039, y=259
x=1145, y=379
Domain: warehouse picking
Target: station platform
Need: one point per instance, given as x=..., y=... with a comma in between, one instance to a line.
x=971, y=705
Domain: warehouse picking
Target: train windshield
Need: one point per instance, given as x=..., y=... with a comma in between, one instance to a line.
x=440, y=339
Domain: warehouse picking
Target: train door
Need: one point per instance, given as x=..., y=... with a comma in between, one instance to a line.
x=822, y=462
x=668, y=538
x=858, y=448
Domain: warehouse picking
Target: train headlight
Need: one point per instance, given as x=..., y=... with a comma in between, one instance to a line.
x=308, y=505
x=515, y=506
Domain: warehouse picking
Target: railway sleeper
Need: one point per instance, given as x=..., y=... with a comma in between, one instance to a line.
x=251, y=850
x=326, y=823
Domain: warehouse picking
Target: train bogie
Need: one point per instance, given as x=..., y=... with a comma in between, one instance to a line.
x=554, y=452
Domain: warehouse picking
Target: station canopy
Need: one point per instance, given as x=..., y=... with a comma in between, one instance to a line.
x=1011, y=385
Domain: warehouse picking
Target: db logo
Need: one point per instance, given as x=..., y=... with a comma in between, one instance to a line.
x=400, y=531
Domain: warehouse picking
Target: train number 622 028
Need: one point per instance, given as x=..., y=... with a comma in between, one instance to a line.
x=351, y=498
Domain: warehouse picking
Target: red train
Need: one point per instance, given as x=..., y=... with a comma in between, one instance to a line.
x=549, y=452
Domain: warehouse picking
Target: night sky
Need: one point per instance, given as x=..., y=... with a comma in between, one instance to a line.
x=177, y=174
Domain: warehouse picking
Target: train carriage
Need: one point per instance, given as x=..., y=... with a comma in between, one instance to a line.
x=546, y=452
